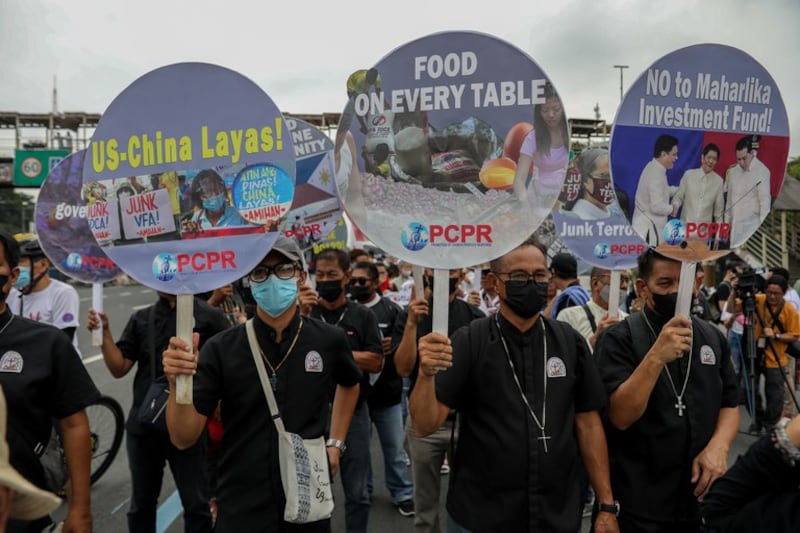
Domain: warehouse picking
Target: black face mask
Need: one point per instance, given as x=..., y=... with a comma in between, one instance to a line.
x=329, y=290
x=526, y=299
x=3, y=281
x=664, y=304
x=359, y=293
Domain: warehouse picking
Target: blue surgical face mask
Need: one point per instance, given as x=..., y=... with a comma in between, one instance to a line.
x=274, y=295
x=214, y=203
x=24, y=277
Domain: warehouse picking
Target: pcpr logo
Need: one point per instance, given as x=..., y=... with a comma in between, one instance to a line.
x=73, y=261
x=165, y=266
x=602, y=250
x=415, y=237
x=676, y=232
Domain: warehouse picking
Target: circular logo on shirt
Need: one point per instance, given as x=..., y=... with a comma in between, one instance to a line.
x=674, y=232
x=165, y=266
x=415, y=237
x=68, y=317
x=602, y=250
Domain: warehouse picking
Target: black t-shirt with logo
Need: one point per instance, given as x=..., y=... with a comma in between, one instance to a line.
x=249, y=491
x=361, y=328
x=43, y=378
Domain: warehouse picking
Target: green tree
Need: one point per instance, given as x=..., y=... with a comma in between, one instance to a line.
x=16, y=210
x=793, y=168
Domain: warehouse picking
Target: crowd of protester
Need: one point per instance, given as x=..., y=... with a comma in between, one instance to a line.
x=542, y=405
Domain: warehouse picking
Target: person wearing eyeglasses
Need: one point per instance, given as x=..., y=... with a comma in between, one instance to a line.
x=384, y=401
x=528, y=394
x=306, y=360
x=364, y=337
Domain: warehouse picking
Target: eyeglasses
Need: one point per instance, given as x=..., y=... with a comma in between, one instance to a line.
x=359, y=281
x=521, y=277
x=282, y=270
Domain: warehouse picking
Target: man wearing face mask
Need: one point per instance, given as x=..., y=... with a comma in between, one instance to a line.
x=37, y=296
x=364, y=336
x=528, y=394
x=592, y=318
x=384, y=402
x=428, y=452
x=306, y=360
x=672, y=411
x=141, y=343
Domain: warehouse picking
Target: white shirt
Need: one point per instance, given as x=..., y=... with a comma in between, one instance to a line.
x=652, y=202
x=793, y=298
x=57, y=304
x=576, y=317
x=748, y=200
x=700, y=194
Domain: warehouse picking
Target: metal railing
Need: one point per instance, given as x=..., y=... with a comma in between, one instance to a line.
x=777, y=241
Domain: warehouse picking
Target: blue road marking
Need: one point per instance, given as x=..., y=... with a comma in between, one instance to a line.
x=168, y=512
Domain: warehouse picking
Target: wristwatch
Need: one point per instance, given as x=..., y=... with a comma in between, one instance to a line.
x=336, y=443
x=777, y=336
x=610, y=508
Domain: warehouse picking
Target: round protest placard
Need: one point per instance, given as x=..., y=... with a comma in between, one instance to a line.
x=590, y=218
x=188, y=177
x=315, y=211
x=451, y=150
x=699, y=146
x=62, y=228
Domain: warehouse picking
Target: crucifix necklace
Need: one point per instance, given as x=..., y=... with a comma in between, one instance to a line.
x=541, y=425
x=273, y=378
x=679, y=405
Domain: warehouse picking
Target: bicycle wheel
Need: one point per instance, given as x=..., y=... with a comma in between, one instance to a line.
x=106, y=424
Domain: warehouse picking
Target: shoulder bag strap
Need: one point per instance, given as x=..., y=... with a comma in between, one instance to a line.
x=262, y=376
x=776, y=316
x=590, y=316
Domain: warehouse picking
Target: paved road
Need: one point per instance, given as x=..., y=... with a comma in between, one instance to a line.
x=110, y=494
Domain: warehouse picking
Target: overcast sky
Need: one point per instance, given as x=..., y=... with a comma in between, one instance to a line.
x=301, y=53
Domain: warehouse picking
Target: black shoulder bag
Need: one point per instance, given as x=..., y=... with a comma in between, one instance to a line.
x=151, y=412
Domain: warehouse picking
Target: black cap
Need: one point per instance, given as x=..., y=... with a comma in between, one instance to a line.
x=565, y=265
x=11, y=248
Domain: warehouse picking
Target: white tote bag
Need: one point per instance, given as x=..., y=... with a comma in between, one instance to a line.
x=305, y=474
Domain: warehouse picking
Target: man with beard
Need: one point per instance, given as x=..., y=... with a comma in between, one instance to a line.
x=384, y=402
x=528, y=394
x=361, y=328
x=672, y=411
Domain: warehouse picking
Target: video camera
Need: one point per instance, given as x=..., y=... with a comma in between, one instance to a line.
x=748, y=284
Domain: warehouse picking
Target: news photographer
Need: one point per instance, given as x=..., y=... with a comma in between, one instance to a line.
x=775, y=326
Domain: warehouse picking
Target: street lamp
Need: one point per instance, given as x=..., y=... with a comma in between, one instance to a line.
x=621, y=68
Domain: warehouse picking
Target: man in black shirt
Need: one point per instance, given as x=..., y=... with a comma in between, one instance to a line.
x=671, y=416
x=428, y=452
x=384, y=402
x=43, y=379
x=142, y=342
x=361, y=328
x=528, y=393
x=307, y=360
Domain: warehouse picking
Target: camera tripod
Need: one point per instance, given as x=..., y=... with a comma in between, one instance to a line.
x=750, y=356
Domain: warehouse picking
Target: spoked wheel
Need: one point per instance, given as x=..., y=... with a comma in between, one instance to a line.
x=106, y=425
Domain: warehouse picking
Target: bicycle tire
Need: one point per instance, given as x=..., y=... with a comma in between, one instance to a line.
x=106, y=426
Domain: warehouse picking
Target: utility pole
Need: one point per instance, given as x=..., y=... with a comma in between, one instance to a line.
x=621, y=68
